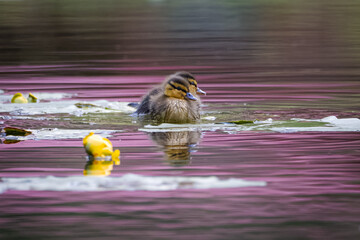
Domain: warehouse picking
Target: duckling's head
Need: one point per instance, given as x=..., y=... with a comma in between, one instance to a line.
x=194, y=89
x=178, y=87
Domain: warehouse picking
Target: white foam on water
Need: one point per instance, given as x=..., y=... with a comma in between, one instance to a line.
x=5, y=98
x=209, y=118
x=28, y=118
x=65, y=106
x=55, y=133
x=333, y=124
x=169, y=127
x=127, y=182
x=52, y=96
x=269, y=120
x=353, y=123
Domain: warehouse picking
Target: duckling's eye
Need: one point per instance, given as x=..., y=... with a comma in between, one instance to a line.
x=193, y=82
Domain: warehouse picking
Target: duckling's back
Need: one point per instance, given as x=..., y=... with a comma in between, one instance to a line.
x=144, y=107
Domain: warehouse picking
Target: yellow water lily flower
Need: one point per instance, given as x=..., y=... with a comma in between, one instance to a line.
x=31, y=98
x=99, y=147
x=19, y=98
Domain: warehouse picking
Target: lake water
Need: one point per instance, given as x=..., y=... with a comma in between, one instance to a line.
x=292, y=67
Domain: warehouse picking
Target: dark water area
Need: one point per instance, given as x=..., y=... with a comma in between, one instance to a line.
x=259, y=59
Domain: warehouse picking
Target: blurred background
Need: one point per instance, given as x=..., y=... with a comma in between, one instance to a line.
x=246, y=35
x=287, y=44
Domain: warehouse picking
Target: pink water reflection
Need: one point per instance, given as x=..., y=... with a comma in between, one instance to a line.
x=241, y=52
x=225, y=87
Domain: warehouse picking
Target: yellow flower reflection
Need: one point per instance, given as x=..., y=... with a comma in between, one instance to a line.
x=102, y=167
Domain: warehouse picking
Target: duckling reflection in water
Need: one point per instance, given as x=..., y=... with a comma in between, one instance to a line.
x=177, y=146
x=175, y=106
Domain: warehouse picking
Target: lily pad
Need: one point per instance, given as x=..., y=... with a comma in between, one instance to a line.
x=16, y=131
x=242, y=122
x=85, y=105
x=10, y=141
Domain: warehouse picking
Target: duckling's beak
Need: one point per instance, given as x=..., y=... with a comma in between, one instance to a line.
x=190, y=96
x=199, y=91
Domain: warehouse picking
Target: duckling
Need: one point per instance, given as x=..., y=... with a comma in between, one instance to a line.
x=173, y=104
x=99, y=147
x=144, y=106
x=19, y=98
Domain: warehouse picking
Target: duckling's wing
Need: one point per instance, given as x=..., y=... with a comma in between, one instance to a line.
x=144, y=107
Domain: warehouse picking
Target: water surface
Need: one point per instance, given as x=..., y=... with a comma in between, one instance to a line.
x=287, y=64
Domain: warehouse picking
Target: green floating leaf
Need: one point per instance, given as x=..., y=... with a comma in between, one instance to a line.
x=8, y=141
x=242, y=122
x=85, y=105
x=16, y=131
x=300, y=124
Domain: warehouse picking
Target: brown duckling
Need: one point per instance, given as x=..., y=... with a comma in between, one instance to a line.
x=173, y=104
x=144, y=107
